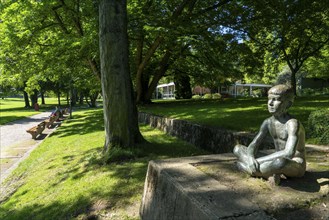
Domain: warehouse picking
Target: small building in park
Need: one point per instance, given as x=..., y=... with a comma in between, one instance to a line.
x=165, y=91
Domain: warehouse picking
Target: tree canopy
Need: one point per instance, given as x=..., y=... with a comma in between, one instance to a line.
x=210, y=41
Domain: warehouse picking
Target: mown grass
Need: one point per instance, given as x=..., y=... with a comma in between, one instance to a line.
x=65, y=177
x=242, y=114
x=12, y=109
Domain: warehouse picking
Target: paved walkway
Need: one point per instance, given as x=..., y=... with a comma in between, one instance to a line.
x=16, y=144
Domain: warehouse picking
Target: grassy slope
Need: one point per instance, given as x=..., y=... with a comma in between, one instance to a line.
x=65, y=178
x=235, y=114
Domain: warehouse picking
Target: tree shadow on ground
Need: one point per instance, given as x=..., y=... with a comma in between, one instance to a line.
x=129, y=177
x=82, y=124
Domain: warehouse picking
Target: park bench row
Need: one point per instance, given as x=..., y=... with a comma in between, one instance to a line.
x=38, y=129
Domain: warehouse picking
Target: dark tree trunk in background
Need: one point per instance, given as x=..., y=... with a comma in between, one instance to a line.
x=26, y=100
x=34, y=97
x=43, y=98
x=81, y=96
x=182, y=86
x=73, y=96
x=93, y=98
x=120, y=111
x=59, y=98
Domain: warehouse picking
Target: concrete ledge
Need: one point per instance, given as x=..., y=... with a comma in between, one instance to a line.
x=175, y=189
x=210, y=187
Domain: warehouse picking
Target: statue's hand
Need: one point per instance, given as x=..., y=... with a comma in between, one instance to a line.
x=253, y=165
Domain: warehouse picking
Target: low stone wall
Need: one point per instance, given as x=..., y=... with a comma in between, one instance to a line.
x=212, y=139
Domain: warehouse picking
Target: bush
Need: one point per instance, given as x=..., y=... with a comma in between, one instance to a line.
x=216, y=96
x=207, y=96
x=318, y=126
x=196, y=97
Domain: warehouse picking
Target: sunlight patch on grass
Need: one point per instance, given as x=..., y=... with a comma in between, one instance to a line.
x=12, y=109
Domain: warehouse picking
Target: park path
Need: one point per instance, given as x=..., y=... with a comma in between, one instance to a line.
x=16, y=144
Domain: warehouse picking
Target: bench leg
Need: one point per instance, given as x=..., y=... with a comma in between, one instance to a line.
x=34, y=136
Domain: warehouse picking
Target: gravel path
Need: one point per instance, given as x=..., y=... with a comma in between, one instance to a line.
x=16, y=143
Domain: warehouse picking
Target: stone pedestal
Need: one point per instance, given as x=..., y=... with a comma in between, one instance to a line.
x=210, y=187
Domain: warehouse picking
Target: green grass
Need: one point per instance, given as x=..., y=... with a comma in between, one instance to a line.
x=64, y=178
x=12, y=109
x=243, y=114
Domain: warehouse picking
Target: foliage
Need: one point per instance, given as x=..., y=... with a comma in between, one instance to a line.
x=314, y=92
x=281, y=27
x=183, y=88
x=207, y=96
x=216, y=96
x=317, y=66
x=196, y=97
x=318, y=126
x=48, y=41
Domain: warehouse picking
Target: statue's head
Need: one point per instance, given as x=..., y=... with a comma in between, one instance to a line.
x=280, y=98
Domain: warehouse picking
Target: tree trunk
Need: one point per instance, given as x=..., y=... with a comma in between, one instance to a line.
x=293, y=81
x=164, y=65
x=26, y=100
x=73, y=97
x=43, y=98
x=59, y=98
x=34, y=98
x=81, y=96
x=120, y=111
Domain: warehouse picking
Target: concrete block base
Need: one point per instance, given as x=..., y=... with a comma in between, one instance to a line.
x=211, y=187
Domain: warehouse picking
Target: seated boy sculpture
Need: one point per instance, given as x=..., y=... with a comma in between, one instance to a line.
x=289, y=139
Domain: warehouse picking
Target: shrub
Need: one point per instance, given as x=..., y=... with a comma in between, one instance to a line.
x=318, y=126
x=196, y=97
x=216, y=96
x=207, y=96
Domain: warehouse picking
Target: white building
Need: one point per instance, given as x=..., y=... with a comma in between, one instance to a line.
x=167, y=91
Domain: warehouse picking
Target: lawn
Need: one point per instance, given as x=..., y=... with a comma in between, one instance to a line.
x=242, y=114
x=12, y=109
x=65, y=177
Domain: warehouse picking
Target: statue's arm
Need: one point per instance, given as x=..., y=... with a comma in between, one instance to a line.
x=253, y=164
x=254, y=145
x=290, y=146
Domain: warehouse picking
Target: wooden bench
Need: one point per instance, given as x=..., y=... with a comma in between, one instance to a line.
x=36, y=130
x=65, y=111
x=50, y=121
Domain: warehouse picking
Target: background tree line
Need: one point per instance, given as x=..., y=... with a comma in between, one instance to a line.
x=55, y=45
x=211, y=42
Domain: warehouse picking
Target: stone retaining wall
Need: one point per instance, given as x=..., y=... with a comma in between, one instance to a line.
x=212, y=139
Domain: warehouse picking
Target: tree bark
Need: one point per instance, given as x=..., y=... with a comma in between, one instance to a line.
x=42, y=98
x=34, y=97
x=26, y=99
x=59, y=98
x=120, y=111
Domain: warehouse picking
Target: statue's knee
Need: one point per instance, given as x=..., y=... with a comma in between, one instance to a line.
x=238, y=150
x=280, y=163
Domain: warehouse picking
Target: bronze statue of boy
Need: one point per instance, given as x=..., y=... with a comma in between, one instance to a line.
x=289, y=139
